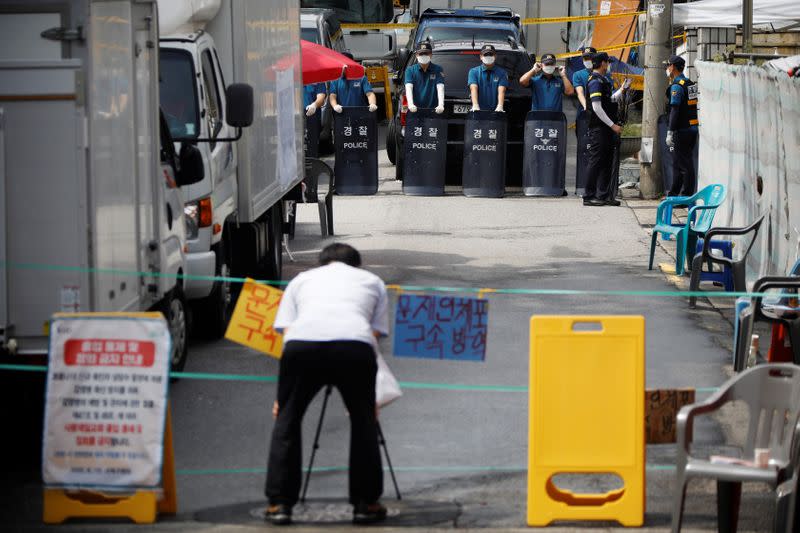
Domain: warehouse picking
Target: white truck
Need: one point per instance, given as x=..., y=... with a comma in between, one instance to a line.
x=90, y=203
x=234, y=215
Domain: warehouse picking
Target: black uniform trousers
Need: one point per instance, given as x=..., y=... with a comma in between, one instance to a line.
x=600, y=158
x=305, y=368
x=684, y=180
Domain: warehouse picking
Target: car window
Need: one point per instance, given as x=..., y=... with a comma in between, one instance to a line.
x=178, y=93
x=211, y=88
x=466, y=33
x=310, y=34
x=456, y=67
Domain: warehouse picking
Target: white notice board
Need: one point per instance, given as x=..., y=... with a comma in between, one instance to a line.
x=106, y=401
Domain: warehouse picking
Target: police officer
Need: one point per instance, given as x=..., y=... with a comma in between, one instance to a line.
x=581, y=77
x=682, y=127
x=602, y=131
x=547, y=87
x=425, y=81
x=352, y=93
x=313, y=98
x=487, y=82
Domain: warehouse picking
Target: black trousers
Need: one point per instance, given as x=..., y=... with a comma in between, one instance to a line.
x=684, y=180
x=600, y=159
x=305, y=368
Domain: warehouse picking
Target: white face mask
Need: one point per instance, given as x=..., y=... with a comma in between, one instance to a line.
x=487, y=60
x=549, y=69
x=587, y=64
x=423, y=60
x=668, y=73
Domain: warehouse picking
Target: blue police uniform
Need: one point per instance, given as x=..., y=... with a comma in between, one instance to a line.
x=425, y=82
x=351, y=93
x=581, y=79
x=488, y=81
x=682, y=100
x=546, y=93
x=310, y=93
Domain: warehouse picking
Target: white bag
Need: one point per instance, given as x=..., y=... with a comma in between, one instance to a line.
x=387, y=389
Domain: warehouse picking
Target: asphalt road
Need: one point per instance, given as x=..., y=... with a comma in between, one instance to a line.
x=460, y=456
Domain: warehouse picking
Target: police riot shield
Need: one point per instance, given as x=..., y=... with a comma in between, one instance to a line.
x=666, y=152
x=545, y=156
x=425, y=153
x=312, y=132
x=582, y=156
x=484, y=172
x=356, y=143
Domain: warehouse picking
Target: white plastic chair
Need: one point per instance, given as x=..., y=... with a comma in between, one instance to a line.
x=772, y=395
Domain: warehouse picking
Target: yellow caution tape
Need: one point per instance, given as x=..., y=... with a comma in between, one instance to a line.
x=554, y=20
x=637, y=80
x=606, y=49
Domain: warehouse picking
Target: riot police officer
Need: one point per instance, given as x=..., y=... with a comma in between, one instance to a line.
x=487, y=82
x=351, y=93
x=424, y=81
x=603, y=128
x=682, y=128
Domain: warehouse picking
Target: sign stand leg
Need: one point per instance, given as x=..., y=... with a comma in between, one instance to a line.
x=168, y=504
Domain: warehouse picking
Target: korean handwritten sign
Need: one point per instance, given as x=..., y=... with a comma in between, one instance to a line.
x=253, y=316
x=106, y=400
x=661, y=411
x=435, y=327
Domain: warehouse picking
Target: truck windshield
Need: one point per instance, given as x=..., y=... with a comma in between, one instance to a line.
x=466, y=33
x=310, y=34
x=356, y=11
x=178, y=93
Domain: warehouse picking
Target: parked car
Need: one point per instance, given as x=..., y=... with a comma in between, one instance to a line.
x=478, y=24
x=322, y=26
x=456, y=59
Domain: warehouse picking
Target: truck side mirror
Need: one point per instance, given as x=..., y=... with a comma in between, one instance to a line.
x=239, y=108
x=191, y=165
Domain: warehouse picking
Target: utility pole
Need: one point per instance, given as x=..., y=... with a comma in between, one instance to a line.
x=658, y=47
x=747, y=26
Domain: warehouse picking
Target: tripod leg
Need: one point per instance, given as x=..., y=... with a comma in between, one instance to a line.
x=315, y=447
x=382, y=442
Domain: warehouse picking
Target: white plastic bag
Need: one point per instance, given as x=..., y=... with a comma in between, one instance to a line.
x=387, y=389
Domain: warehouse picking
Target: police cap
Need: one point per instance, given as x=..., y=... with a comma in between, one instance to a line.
x=588, y=51
x=678, y=61
x=548, y=59
x=487, y=49
x=424, y=46
x=599, y=58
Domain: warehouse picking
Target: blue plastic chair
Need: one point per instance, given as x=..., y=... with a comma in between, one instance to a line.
x=702, y=208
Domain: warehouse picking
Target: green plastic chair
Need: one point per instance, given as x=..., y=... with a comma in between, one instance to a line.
x=702, y=208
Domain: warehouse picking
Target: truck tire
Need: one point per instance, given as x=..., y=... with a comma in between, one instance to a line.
x=174, y=310
x=213, y=312
x=391, y=143
x=273, y=267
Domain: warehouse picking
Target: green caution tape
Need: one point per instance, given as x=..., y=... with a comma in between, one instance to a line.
x=274, y=379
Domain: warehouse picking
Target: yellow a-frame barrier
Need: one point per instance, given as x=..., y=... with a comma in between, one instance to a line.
x=587, y=376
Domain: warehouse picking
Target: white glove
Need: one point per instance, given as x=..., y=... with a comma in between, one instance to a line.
x=412, y=108
x=311, y=109
x=439, y=109
x=337, y=108
x=670, y=140
x=475, y=108
x=499, y=109
x=373, y=108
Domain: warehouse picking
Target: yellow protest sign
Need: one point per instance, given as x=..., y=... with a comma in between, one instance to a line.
x=253, y=317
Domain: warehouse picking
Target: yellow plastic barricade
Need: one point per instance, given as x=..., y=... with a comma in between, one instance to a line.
x=586, y=416
x=379, y=75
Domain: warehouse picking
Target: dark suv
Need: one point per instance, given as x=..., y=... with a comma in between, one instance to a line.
x=456, y=58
